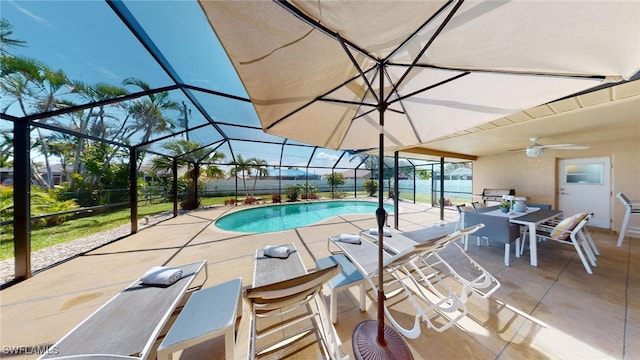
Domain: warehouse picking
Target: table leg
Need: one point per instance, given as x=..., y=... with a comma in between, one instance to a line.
x=533, y=245
x=229, y=343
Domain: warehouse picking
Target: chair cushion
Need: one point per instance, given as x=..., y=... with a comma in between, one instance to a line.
x=564, y=227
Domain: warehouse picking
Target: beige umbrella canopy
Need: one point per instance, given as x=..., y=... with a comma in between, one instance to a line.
x=298, y=61
x=394, y=74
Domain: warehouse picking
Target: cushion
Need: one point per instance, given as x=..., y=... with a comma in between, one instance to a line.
x=564, y=227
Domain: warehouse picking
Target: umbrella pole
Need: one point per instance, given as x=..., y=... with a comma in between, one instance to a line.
x=373, y=339
x=380, y=216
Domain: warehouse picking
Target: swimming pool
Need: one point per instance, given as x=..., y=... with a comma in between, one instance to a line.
x=290, y=216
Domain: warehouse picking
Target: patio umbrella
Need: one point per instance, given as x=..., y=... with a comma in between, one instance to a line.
x=393, y=74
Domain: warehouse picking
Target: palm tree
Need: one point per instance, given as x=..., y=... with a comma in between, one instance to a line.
x=34, y=85
x=149, y=113
x=260, y=166
x=190, y=154
x=242, y=166
x=96, y=121
x=5, y=37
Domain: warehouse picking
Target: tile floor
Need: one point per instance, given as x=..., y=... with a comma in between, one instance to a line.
x=554, y=311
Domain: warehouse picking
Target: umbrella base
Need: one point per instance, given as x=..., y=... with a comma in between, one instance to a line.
x=366, y=346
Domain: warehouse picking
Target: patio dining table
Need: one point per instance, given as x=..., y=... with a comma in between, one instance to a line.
x=531, y=219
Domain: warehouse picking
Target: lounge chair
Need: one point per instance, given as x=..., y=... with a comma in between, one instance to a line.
x=284, y=300
x=413, y=274
x=473, y=277
x=130, y=323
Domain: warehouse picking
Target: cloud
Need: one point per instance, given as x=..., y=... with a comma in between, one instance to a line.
x=31, y=15
x=324, y=156
x=104, y=71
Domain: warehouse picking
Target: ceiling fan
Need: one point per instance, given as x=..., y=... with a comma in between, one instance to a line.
x=535, y=149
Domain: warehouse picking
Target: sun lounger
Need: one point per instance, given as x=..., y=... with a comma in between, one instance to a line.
x=294, y=298
x=271, y=269
x=429, y=303
x=430, y=289
x=130, y=323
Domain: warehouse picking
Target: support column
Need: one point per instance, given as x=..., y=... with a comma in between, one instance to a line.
x=174, y=188
x=196, y=169
x=396, y=191
x=21, y=200
x=442, y=188
x=133, y=188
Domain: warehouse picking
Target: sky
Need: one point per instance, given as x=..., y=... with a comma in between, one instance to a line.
x=90, y=43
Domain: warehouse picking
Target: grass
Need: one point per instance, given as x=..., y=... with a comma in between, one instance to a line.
x=82, y=227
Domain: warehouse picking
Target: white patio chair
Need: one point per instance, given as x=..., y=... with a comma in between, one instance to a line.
x=547, y=227
x=630, y=209
x=569, y=231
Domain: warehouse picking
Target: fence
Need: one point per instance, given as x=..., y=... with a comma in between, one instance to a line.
x=458, y=189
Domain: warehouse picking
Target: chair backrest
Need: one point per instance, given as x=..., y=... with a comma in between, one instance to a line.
x=541, y=206
x=478, y=205
x=288, y=292
x=625, y=200
x=497, y=228
x=434, y=245
x=568, y=225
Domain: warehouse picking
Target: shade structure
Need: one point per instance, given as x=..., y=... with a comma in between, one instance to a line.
x=394, y=74
x=473, y=62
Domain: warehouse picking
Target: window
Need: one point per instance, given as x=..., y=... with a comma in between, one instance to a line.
x=589, y=173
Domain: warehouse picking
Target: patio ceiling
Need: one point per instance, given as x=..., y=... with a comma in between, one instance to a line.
x=602, y=116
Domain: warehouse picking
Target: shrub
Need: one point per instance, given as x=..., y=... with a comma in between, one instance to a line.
x=275, y=198
x=370, y=186
x=292, y=192
x=308, y=191
x=250, y=200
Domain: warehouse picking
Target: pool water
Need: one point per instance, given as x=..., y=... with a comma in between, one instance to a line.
x=290, y=216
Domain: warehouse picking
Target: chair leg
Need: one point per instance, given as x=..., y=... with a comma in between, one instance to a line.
x=507, y=250
x=623, y=229
x=363, y=296
x=517, y=249
x=333, y=305
x=523, y=236
x=581, y=255
x=587, y=235
x=587, y=248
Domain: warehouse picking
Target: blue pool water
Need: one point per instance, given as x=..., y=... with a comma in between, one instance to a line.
x=291, y=216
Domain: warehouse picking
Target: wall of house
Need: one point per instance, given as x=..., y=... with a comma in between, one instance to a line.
x=535, y=178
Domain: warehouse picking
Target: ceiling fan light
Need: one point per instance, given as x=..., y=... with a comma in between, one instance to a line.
x=534, y=152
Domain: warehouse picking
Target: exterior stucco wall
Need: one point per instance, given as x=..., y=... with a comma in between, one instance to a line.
x=535, y=178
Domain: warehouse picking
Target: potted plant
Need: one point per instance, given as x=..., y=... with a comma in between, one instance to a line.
x=505, y=205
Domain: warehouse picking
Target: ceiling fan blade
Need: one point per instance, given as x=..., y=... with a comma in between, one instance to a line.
x=565, y=147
